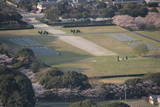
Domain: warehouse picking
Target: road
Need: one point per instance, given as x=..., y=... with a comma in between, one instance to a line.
x=75, y=41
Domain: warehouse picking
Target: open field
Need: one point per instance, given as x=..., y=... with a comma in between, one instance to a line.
x=136, y=103
x=96, y=29
x=78, y=42
x=132, y=103
x=115, y=38
x=72, y=58
x=101, y=66
x=152, y=34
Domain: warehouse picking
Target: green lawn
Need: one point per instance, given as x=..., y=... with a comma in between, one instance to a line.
x=101, y=36
x=72, y=58
x=132, y=103
x=69, y=53
x=136, y=103
x=152, y=34
x=103, y=66
x=95, y=29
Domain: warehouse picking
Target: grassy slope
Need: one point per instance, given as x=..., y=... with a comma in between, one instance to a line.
x=136, y=103
x=153, y=34
x=108, y=65
x=78, y=60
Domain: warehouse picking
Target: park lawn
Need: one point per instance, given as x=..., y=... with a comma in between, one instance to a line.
x=19, y=32
x=95, y=29
x=133, y=103
x=139, y=103
x=74, y=59
x=108, y=42
x=143, y=39
x=68, y=52
x=101, y=36
x=152, y=34
x=105, y=66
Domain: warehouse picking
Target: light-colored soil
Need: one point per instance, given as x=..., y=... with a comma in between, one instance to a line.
x=87, y=45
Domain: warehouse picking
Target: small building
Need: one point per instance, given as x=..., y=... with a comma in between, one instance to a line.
x=154, y=99
x=42, y=5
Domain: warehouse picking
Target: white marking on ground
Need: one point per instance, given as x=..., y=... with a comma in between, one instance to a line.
x=86, y=45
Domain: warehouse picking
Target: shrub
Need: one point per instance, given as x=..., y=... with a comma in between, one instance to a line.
x=57, y=79
x=154, y=9
x=15, y=89
x=155, y=77
x=85, y=103
x=3, y=50
x=18, y=64
x=27, y=53
x=134, y=10
x=133, y=82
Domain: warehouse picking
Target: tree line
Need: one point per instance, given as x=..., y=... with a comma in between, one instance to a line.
x=93, y=9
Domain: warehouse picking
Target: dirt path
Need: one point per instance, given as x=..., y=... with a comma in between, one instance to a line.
x=86, y=45
x=78, y=42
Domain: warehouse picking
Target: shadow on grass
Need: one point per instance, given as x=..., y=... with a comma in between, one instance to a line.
x=117, y=76
x=65, y=57
x=153, y=56
x=77, y=69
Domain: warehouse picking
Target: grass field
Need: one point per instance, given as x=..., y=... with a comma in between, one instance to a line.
x=136, y=103
x=99, y=66
x=132, y=103
x=97, y=29
x=72, y=58
x=152, y=34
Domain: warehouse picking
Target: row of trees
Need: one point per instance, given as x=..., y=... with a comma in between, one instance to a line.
x=10, y=18
x=8, y=13
x=94, y=10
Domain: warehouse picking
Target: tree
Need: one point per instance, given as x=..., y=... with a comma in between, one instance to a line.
x=134, y=10
x=27, y=53
x=55, y=78
x=52, y=13
x=154, y=9
x=141, y=49
x=15, y=89
x=108, y=12
x=25, y=4
x=85, y=103
x=155, y=77
x=133, y=82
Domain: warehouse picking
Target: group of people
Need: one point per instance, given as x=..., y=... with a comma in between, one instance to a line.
x=75, y=31
x=122, y=58
x=43, y=32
